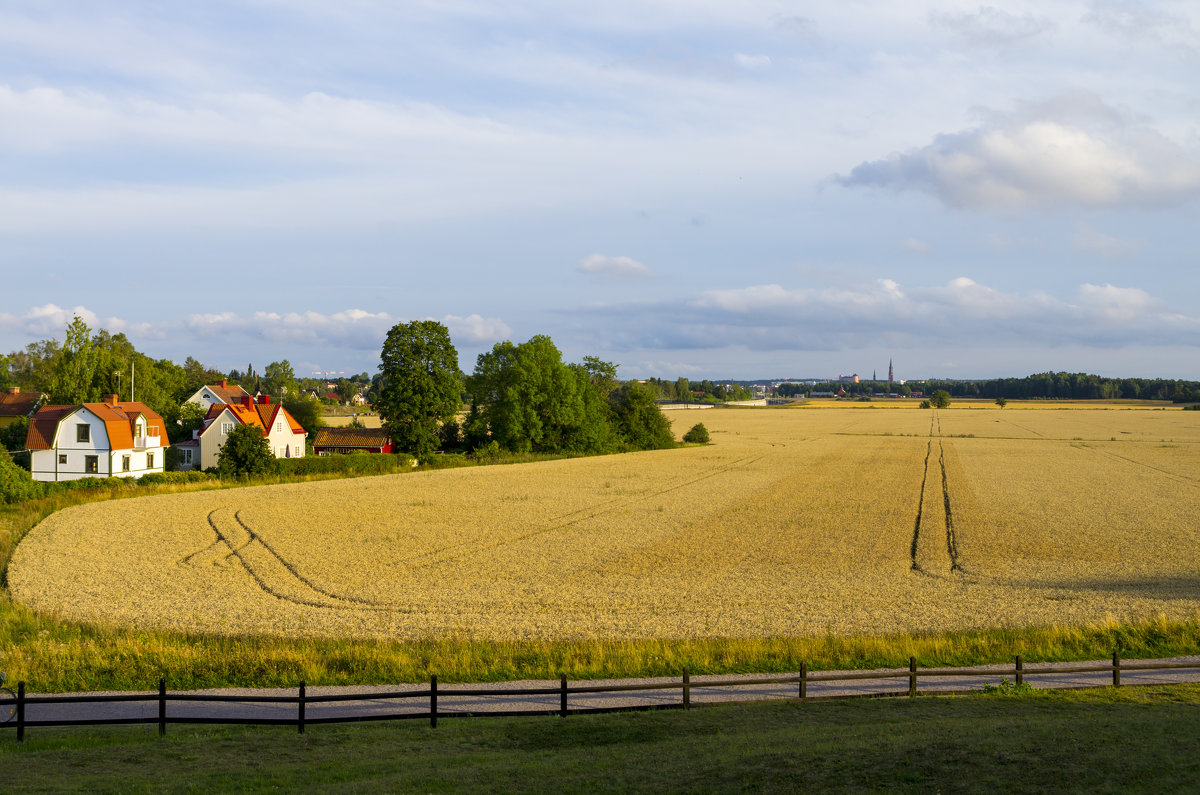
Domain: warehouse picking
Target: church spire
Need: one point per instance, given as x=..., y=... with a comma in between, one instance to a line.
x=891, y=373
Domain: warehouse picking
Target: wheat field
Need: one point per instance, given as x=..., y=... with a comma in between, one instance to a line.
x=793, y=522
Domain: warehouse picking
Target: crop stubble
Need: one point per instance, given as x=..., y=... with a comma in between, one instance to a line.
x=794, y=522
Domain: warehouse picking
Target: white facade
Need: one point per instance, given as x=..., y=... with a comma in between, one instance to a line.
x=283, y=442
x=81, y=449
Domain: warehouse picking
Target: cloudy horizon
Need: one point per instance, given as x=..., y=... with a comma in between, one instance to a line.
x=687, y=189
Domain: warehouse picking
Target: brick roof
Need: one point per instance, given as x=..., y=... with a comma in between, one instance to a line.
x=228, y=393
x=262, y=415
x=18, y=404
x=350, y=437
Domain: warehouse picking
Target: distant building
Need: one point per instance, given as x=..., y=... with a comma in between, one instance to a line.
x=848, y=379
x=891, y=373
x=349, y=440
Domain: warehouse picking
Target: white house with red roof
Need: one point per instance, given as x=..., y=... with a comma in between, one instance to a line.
x=283, y=433
x=96, y=440
x=223, y=393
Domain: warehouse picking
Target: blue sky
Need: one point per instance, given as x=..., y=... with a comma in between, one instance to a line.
x=705, y=189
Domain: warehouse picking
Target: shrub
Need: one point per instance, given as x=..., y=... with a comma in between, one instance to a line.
x=925, y=404
x=16, y=484
x=698, y=434
x=350, y=463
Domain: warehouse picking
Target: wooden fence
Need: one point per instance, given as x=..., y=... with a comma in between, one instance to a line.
x=563, y=691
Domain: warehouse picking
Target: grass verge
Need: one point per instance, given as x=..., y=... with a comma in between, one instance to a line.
x=1124, y=739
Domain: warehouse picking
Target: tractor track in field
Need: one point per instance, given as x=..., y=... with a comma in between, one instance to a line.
x=1173, y=475
x=952, y=551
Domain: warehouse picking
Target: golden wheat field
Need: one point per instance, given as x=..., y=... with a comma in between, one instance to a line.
x=793, y=522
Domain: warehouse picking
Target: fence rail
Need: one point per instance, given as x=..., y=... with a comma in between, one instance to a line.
x=684, y=685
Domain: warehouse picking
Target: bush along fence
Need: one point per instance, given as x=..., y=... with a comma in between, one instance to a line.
x=301, y=710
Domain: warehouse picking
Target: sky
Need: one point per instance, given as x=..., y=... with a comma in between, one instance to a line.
x=694, y=188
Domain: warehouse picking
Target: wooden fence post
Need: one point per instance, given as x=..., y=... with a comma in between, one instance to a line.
x=20, y=712
x=1116, y=669
x=1020, y=672
x=912, y=677
x=300, y=707
x=433, y=701
x=562, y=696
x=162, y=706
x=803, y=680
x=687, y=690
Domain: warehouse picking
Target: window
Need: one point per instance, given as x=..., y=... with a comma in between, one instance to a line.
x=62, y=458
x=91, y=464
x=226, y=428
x=83, y=433
x=124, y=463
x=149, y=460
x=279, y=425
x=185, y=455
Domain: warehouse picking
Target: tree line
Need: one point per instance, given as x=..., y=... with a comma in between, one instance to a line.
x=1049, y=386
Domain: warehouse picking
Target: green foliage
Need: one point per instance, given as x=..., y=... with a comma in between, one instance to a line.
x=925, y=404
x=174, y=478
x=940, y=399
x=421, y=387
x=16, y=484
x=279, y=379
x=13, y=434
x=1001, y=402
x=639, y=423
x=189, y=417
x=357, y=463
x=308, y=411
x=1007, y=687
x=246, y=452
x=698, y=434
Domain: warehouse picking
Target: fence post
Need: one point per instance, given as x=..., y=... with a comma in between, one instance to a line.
x=1116, y=669
x=912, y=677
x=300, y=707
x=1020, y=672
x=687, y=690
x=562, y=696
x=162, y=706
x=433, y=701
x=803, y=680
x=20, y=712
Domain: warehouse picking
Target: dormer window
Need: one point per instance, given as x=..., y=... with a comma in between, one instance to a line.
x=83, y=433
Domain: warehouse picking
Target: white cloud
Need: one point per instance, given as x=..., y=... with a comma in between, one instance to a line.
x=1071, y=150
x=752, y=61
x=612, y=267
x=990, y=26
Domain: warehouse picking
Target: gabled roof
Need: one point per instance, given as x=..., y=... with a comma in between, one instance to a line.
x=350, y=437
x=228, y=393
x=119, y=419
x=15, y=403
x=248, y=412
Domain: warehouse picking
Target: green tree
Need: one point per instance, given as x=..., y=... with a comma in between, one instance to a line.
x=75, y=368
x=639, y=421
x=279, y=379
x=308, y=411
x=16, y=484
x=1001, y=402
x=421, y=387
x=940, y=399
x=246, y=452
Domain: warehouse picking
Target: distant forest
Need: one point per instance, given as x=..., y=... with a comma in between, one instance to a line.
x=1048, y=386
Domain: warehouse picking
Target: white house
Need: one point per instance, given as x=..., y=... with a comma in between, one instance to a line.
x=97, y=440
x=222, y=393
x=283, y=433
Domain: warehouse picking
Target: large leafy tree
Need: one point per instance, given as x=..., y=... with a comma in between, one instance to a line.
x=279, y=379
x=246, y=452
x=421, y=388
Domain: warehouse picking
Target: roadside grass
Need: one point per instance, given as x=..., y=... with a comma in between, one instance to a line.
x=1107, y=739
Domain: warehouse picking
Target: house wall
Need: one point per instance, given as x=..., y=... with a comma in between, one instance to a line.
x=68, y=460
x=204, y=397
x=284, y=443
x=213, y=438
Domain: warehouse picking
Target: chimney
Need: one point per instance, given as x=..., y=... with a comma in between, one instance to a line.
x=14, y=390
x=224, y=385
x=247, y=401
x=264, y=400
x=112, y=400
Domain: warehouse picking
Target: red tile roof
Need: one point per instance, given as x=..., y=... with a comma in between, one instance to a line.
x=247, y=412
x=351, y=437
x=15, y=403
x=118, y=418
x=228, y=393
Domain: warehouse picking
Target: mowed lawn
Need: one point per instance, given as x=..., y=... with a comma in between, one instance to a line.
x=793, y=522
x=1109, y=740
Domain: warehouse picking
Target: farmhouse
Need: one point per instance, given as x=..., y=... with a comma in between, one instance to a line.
x=284, y=434
x=15, y=404
x=110, y=439
x=348, y=440
x=222, y=393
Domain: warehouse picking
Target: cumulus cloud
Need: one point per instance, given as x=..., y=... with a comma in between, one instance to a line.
x=612, y=267
x=990, y=26
x=1070, y=150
